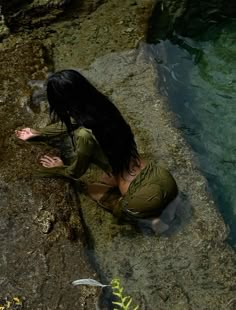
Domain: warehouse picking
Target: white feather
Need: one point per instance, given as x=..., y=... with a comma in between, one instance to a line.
x=88, y=282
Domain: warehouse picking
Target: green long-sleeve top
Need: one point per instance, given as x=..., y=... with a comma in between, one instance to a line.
x=87, y=151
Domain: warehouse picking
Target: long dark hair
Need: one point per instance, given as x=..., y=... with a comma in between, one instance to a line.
x=71, y=95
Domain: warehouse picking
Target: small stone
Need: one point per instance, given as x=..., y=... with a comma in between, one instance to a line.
x=46, y=220
x=4, y=31
x=129, y=30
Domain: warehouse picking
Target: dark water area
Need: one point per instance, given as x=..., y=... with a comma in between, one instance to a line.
x=199, y=78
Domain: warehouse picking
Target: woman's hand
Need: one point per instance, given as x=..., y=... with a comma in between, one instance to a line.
x=26, y=133
x=51, y=162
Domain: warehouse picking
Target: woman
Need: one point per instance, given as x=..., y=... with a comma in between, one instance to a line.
x=100, y=135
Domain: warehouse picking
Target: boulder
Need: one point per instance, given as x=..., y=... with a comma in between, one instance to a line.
x=191, y=266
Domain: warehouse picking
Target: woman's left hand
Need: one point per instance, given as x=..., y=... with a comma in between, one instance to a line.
x=51, y=162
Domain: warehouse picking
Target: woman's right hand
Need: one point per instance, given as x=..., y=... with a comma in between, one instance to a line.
x=26, y=133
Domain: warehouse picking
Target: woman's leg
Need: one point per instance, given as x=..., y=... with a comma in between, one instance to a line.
x=169, y=212
x=97, y=190
x=156, y=224
x=106, y=196
x=151, y=198
x=139, y=207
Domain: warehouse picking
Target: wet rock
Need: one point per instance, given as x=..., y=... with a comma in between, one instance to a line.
x=42, y=255
x=90, y=32
x=39, y=97
x=46, y=220
x=187, y=18
x=29, y=14
x=191, y=266
x=4, y=31
x=89, y=6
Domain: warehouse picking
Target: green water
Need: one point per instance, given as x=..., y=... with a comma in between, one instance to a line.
x=199, y=77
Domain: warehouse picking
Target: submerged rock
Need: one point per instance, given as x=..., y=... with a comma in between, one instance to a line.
x=187, y=17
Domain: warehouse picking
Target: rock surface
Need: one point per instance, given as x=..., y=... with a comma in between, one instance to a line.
x=4, y=31
x=27, y=14
x=191, y=266
x=41, y=235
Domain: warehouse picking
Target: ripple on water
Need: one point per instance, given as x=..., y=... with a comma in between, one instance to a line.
x=203, y=93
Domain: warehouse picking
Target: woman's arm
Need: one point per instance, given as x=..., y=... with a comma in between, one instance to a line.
x=54, y=167
x=50, y=131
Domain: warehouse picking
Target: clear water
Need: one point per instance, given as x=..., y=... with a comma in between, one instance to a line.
x=199, y=77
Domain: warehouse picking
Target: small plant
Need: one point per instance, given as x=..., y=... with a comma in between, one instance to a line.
x=11, y=303
x=124, y=302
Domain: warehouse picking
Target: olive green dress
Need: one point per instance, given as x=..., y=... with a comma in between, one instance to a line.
x=148, y=194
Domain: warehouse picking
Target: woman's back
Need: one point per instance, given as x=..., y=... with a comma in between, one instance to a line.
x=70, y=95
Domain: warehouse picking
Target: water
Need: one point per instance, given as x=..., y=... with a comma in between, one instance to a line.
x=199, y=77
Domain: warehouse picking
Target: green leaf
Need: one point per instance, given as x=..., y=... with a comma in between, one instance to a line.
x=125, y=298
x=117, y=303
x=129, y=303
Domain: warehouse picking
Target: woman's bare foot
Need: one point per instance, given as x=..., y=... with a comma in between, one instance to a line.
x=169, y=213
x=158, y=226
x=155, y=224
x=26, y=133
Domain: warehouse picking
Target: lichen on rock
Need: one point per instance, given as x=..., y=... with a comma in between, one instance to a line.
x=4, y=31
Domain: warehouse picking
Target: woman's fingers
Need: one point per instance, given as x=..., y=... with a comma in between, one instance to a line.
x=49, y=162
x=47, y=158
x=24, y=133
x=46, y=164
x=46, y=161
x=56, y=158
x=24, y=130
x=19, y=132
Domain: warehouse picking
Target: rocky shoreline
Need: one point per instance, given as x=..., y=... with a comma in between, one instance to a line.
x=191, y=266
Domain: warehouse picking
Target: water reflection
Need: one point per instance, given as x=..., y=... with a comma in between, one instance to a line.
x=199, y=77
